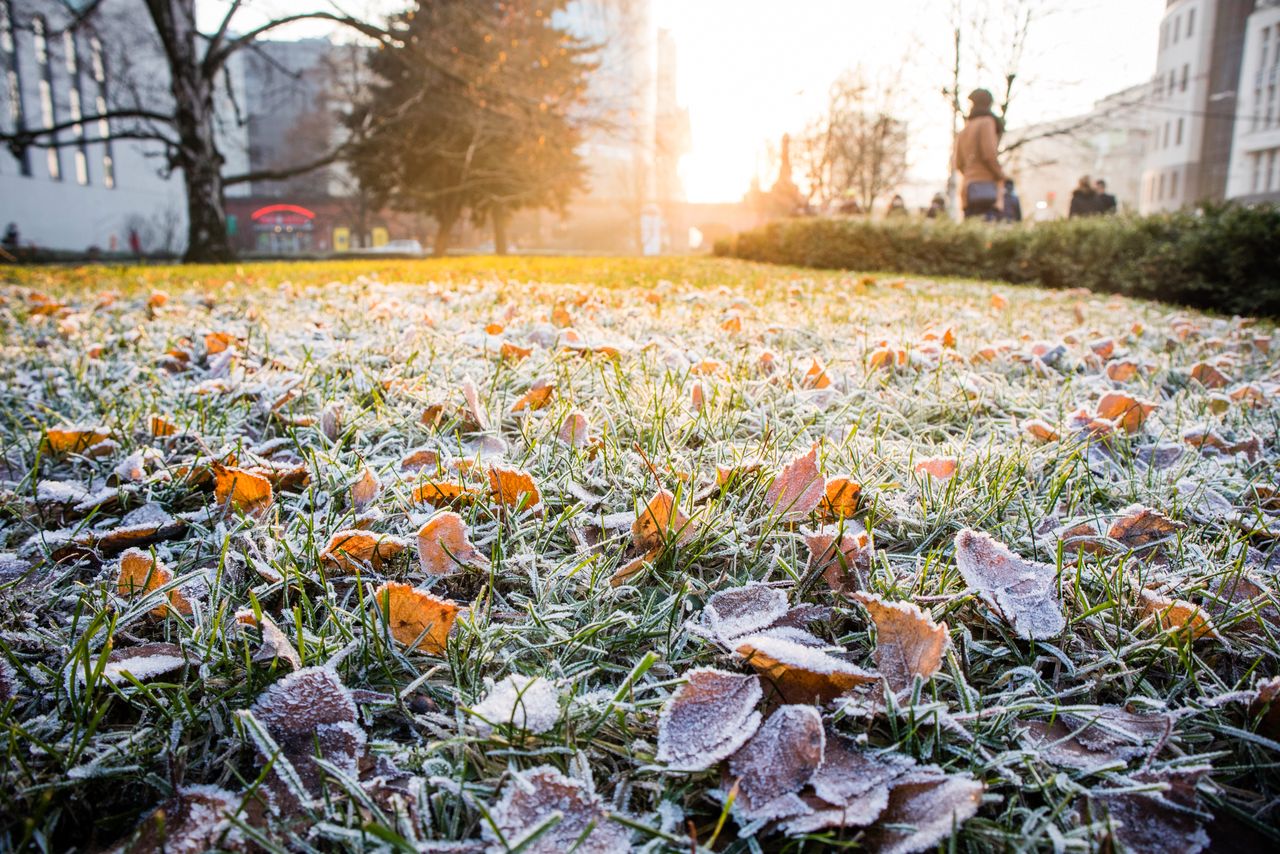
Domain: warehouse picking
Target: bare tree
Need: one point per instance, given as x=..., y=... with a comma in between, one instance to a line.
x=186, y=126
x=858, y=149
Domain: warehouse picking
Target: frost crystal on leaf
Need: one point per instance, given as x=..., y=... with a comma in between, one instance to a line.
x=1156, y=821
x=195, y=820
x=523, y=702
x=141, y=662
x=707, y=719
x=908, y=642
x=738, y=611
x=799, y=673
x=1022, y=591
x=924, y=808
x=775, y=764
x=532, y=798
x=798, y=489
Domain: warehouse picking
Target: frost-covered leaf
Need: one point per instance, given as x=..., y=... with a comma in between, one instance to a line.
x=707, y=719
x=275, y=643
x=1126, y=411
x=841, y=498
x=908, y=642
x=142, y=662
x=531, y=798
x=1139, y=528
x=938, y=468
x=365, y=489
x=443, y=545
x=575, y=430
x=739, y=611
x=772, y=767
x=513, y=487
x=1087, y=739
x=530, y=703
x=850, y=788
x=660, y=519
x=353, y=549
x=843, y=556
x=139, y=574
x=1162, y=820
x=925, y=807
x=1177, y=614
x=798, y=489
x=246, y=491
x=799, y=673
x=196, y=819
x=75, y=439
x=1022, y=592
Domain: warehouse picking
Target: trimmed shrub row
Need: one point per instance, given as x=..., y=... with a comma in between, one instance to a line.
x=1225, y=258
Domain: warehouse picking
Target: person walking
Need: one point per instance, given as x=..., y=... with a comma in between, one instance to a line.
x=937, y=207
x=897, y=208
x=135, y=243
x=1106, y=201
x=977, y=160
x=1084, y=200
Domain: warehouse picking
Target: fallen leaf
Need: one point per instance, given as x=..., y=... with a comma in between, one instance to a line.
x=940, y=468
x=842, y=556
x=575, y=430
x=439, y=492
x=537, y=397
x=243, y=490
x=925, y=807
x=738, y=611
x=365, y=490
x=195, y=818
x=1177, y=615
x=535, y=797
x=1140, y=528
x=513, y=488
x=1209, y=376
x=1041, y=430
x=443, y=545
x=1121, y=370
x=999, y=301
x=707, y=719
x=352, y=550
x=1089, y=739
x=660, y=519
x=475, y=413
x=1021, y=591
x=635, y=566
x=275, y=643
x=851, y=787
x=1164, y=820
x=801, y=674
x=140, y=574
x=1126, y=411
x=797, y=491
x=142, y=525
x=143, y=662
x=419, y=459
x=161, y=427
x=74, y=440
x=816, y=377
x=415, y=616
x=772, y=767
x=908, y=642
x=216, y=342
x=841, y=498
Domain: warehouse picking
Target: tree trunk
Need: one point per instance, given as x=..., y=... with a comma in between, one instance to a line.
x=197, y=151
x=444, y=228
x=500, y=217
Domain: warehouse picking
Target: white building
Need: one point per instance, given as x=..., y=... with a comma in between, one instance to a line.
x=93, y=192
x=1255, y=157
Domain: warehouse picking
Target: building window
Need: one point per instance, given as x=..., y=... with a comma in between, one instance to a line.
x=1186, y=71
x=48, y=116
x=1271, y=168
x=1191, y=22
x=71, y=56
x=99, y=71
x=1160, y=188
x=1178, y=139
x=1177, y=28
x=1166, y=134
x=1173, y=186
x=1255, y=181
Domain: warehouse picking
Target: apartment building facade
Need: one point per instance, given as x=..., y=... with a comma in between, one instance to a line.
x=1255, y=158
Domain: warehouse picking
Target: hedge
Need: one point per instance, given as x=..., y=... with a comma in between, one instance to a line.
x=1225, y=258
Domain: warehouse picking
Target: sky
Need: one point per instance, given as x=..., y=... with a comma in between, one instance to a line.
x=752, y=70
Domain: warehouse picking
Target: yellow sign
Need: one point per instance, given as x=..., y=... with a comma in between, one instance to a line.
x=380, y=237
x=341, y=239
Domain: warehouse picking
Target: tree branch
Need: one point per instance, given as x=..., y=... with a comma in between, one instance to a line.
x=286, y=173
x=214, y=58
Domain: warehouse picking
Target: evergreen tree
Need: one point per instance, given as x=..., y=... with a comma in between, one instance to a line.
x=475, y=111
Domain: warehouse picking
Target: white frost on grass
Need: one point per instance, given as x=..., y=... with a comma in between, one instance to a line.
x=530, y=703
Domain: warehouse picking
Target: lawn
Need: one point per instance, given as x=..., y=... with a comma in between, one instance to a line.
x=683, y=554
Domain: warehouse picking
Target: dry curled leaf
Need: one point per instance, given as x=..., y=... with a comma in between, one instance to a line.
x=1126, y=411
x=1140, y=528
x=660, y=519
x=842, y=556
x=532, y=798
x=1177, y=615
x=513, y=488
x=243, y=490
x=1021, y=591
x=275, y=645
x=707, y=719
x=353, y=549
x=841, y=498
x=365, y=490
x=475, y=416
x=799, y=673
x=146, y=524
x=415, y=617
x=908, y=642
x=798, y=489
x=776, y=763
x=443, y=545
x=140, y=574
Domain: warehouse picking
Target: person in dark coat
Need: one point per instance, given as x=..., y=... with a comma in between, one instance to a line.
x=937, y=207
x=1012, y=209
x=1106, y=201
x=897, y=208
x=1084, y=200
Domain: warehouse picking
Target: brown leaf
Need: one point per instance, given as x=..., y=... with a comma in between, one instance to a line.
x=542, y=793
x=1128, y=412
x=196, y=818
x=415, y=616
x=940, y=468
x=841, y=499
x=634, y=566
x=797, y=491
x=140, y=574
x=739, y=611
x=1088, y=739
x=142, y=662
x=1177, y=615
x=660, y=519
x=908, y=642
x=443, y=545
x=575, y=430
x=537, y=397
x=707, y=719
x=475, y=413
x=243, y=490
x=513, y=488
x=1209, y=376
x=776, y=763
x=353, y=549
x=275, y=643
x=1021, y=591
x=365, y=490
x=161, y=427
x=142, y=525
x=1164, y=820
x=801, y=674
x=843, y=557
x=1121, y=370
x=851, y=787
x=925, y=807
x=1139, y=528
x=419, y=459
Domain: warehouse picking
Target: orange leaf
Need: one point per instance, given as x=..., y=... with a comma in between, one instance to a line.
x=816, y=376
x=161, y=426
x=366, y=489
x=440, y=492
x=999, y=301
x=1178, y=615
x=801, y=674
x=842, y=497
x=660, y=517
x=937, y=467
x=538, y=396
x=575, y=431
x=1041, y=430
x=908, y=642
x=216, y=342
x=443, y=545
x=1122, y=370
x=512, y=487
x=141, y=574
x=73, y=440
x=514, y=352
x=1127, y=412
x=351, y=550
x=243, y=490
x=415, y=616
